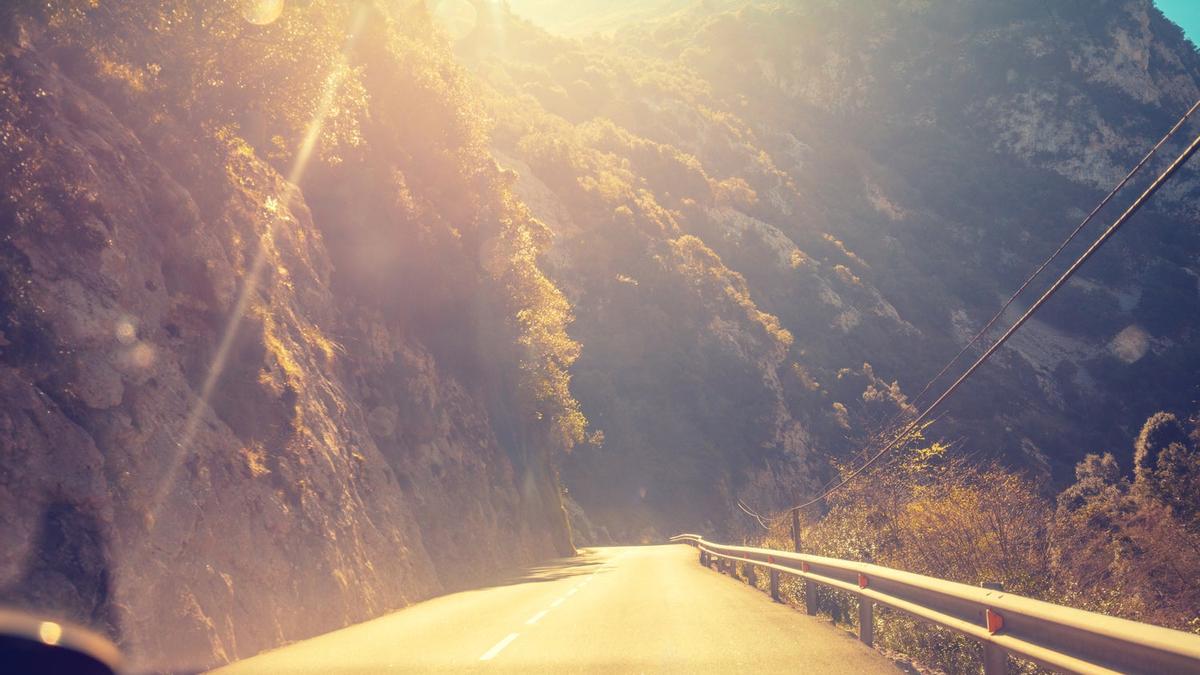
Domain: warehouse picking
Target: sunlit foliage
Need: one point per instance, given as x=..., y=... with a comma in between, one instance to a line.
x=1130, y=546
x=371, y=90
x=1111, y=543
x=207, y=63
x=540, y=317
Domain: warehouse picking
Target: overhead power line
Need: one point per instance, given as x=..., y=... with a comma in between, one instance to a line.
x=1112, y=229
x=1054, y=288
x=753, y=514
x=1029, y=280
x=1058, y=251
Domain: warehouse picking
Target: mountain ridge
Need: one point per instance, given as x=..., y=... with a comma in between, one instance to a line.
x=887, y=152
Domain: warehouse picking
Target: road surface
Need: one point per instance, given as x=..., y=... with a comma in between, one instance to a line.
x=619, y=609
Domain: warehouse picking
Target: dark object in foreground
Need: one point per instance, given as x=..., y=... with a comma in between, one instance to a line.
x=29, y=644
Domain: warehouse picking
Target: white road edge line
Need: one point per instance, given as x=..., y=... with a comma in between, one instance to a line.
x=537, y=617
x=499, y=647
x=572, y=591
x=557, y=602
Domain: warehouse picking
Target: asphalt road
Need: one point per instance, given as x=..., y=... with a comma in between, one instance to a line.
x=621, y=609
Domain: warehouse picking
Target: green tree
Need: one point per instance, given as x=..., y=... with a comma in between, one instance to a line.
x=1158, y=433
x=1167, y=466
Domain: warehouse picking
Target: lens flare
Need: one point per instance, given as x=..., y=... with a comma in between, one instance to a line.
x=261, y=12
x=142, y=355
x=191, y=425
x=126, y=332
x=1130, y=344
x=50, y=632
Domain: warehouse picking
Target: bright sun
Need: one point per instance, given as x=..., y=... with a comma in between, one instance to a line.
x=261, y=12
x=458, y=16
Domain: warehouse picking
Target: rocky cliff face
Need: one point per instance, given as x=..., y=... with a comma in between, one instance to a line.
x=880, y=176
x=242, y=403
x=977, y=136
x=202, y=487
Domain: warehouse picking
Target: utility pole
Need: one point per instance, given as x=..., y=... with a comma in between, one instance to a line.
x=796, y=530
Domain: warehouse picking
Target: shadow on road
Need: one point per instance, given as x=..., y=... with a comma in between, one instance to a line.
x=585, y=562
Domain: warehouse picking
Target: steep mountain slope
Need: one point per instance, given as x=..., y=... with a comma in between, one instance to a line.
x=877, y=177
x=995, y=128
x=234, y=414
x=282, y=341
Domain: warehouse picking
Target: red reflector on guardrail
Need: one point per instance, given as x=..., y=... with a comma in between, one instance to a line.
x=994, y=621
x=1070, y=639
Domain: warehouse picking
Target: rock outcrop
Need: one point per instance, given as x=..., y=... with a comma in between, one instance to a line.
x=880, y=176
x=206, y=448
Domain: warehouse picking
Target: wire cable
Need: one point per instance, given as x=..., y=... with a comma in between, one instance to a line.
x=1058, y=251
x=1037, y=272
x=1062, y=279
x=995, y=317
x=753, y=514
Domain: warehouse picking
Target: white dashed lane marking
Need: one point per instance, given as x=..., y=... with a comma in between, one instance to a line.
x=499, y=647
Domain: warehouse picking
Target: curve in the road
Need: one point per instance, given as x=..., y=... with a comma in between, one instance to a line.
x=618, y=609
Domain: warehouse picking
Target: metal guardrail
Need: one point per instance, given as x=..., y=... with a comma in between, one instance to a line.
x=1057, y=637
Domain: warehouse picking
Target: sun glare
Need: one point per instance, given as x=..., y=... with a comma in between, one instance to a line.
x=250, y=283
x=458, y=17
x=261, y=12
x=364, y=336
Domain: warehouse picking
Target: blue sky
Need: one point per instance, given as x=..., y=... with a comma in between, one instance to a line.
x=1186, y=13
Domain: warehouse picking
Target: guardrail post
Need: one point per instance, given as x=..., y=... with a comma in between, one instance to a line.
x=1059, y=637
x=995, y=661
x=751, y=575
x=866, y=620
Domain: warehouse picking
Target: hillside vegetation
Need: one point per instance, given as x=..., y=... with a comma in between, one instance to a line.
x=854, y=189
x=310, y=310
x=277, y=352
x=1119, y=542
x=857, y=187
